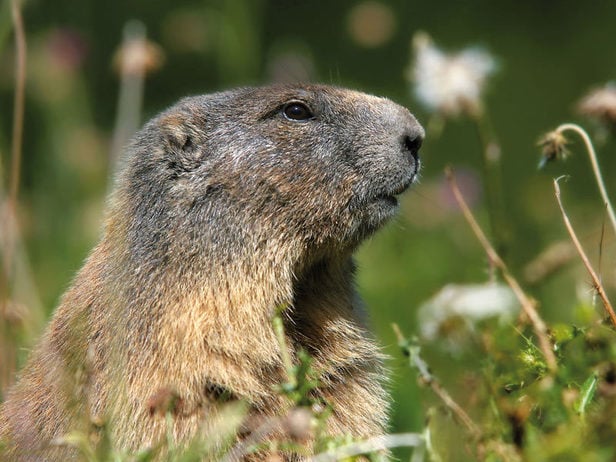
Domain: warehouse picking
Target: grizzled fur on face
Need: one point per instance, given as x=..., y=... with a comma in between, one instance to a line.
x=234, y=164
x=228, y=206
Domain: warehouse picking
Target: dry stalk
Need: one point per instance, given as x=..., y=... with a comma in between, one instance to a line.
x=135, y=58
x=595, y=166
x=528, y=304
x=131, y=91
x=9, y=211
x=596, y=282
x=245, y=447
x=18, y=105
x=428, y=379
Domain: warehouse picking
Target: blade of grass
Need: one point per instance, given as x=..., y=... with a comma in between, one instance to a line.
x=587, y=393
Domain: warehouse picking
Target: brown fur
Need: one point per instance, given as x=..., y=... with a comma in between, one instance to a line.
x=225, y=210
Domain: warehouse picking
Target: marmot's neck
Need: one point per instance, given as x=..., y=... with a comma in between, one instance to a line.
x=225, y=302
x=202, y=311
x=327, y=317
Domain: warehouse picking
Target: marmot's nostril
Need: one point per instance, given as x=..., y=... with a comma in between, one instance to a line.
x=413, y=143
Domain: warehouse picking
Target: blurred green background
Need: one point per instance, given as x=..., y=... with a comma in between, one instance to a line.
x=549, y=54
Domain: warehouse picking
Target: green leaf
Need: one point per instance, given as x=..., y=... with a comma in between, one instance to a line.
x=587, y=393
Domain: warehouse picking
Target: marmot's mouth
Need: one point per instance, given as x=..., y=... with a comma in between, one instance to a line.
x=403, y=187
x=391, y=197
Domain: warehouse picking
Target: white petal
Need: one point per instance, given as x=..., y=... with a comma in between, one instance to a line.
x=472, y=303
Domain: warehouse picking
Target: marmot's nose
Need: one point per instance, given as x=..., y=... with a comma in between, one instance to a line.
x=411, y=136
x=411, y=142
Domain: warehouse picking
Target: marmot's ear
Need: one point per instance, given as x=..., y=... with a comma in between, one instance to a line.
x=177, y=133
x=183, y=139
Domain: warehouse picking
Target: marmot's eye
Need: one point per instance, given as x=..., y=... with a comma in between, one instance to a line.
x=297, y=111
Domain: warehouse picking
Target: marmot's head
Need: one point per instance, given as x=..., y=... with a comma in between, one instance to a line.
x=317, y=165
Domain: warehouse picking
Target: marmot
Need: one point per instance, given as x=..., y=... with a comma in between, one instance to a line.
x=228, y=206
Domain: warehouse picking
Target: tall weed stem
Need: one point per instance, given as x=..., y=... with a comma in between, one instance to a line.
x=595, y=166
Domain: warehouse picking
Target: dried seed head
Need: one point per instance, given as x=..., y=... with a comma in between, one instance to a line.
x=137, y=55
x=600, y=104
x=371, y=24
x=553, y=147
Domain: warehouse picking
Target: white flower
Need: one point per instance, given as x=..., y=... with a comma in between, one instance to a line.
x=449, y=83
x=455, y=309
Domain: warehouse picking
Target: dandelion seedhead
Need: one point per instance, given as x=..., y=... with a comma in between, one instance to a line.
x=553, y=147
x=450, y=84
x=600, y=104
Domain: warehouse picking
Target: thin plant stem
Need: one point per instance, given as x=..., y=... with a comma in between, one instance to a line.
x=246, y=446
x=16, y=149
x=130, y=97
x=595, y=166
x=428, y=379
x=18, y=105
x=492, y=179
x=596, y=282
x=528, y=305
x=7, y=271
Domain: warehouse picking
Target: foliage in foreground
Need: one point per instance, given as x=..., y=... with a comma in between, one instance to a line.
x=509, y=407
